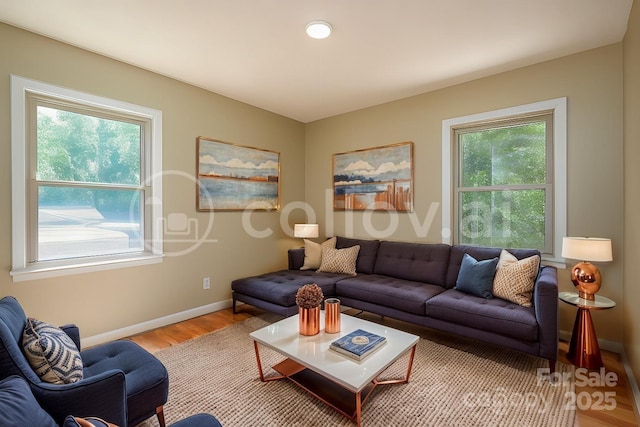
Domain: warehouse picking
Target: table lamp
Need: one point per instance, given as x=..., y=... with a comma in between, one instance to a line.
x=305, y=231
x=584, y=275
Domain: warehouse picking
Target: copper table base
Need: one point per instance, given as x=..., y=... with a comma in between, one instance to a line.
x=584, y=351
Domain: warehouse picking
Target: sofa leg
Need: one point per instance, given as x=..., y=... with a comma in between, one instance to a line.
x=233, y=304
x=552, y=370
x=160, y=415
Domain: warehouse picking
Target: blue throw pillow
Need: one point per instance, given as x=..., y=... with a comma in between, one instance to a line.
x=19, y=408
x=476, y=277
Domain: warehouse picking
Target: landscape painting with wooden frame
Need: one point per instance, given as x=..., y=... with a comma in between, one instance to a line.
x=236, y=177
x=378, y=178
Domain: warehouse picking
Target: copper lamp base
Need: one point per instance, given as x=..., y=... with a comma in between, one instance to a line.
x=587, y=280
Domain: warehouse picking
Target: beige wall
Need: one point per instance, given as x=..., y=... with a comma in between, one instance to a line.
x=592, y=83
x=105, y=301
x=631, y=313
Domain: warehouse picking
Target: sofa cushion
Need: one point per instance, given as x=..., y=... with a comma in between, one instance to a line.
x=18, y=407
x=494, y=315
x=313, y=253
x=476, y=277
x=367, y=255
x=146, y=378
x=51, y=353
x=404, y=295
x=515, y=278
x=280, y=287
x=480, y=253
x=418, y=262
x=339, y=260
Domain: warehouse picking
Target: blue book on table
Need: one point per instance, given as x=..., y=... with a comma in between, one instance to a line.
x=358, y=344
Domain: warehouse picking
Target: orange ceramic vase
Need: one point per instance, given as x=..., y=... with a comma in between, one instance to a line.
x=309, y=320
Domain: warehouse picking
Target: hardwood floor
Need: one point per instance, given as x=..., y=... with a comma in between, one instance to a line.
x=622, y=412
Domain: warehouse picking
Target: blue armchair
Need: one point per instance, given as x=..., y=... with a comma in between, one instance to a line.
x=122, y=382
x=18, y=407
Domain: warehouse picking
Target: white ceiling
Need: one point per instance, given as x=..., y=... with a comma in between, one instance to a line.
x=256, y=51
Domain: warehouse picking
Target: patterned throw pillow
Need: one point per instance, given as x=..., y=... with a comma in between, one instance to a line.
x=51, y=353
x=339, y=260
x=72, y=421
x=313, y=253
x=515, y=278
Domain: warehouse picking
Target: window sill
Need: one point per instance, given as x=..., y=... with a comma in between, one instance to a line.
x=559, y=263
x=67, y=269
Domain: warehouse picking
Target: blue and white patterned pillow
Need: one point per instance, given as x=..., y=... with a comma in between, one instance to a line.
x=51, y=353
x=72, y=421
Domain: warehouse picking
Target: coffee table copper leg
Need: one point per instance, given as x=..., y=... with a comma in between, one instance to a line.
x=262, y=377
x=406, y=378
x=287, y=368
x=413, y=353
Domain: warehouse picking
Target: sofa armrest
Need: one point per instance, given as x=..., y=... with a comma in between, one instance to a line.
x=545, y=301
x=74, y=333
x=79, y=399
x=296, y=258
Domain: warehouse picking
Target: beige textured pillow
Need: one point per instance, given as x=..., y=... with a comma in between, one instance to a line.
x=515, y=278
x=339, y=260
x=313, y=253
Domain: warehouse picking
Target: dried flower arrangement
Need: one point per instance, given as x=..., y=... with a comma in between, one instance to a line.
x=309, y=296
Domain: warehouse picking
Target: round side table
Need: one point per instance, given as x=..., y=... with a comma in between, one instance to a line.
x=584, y=351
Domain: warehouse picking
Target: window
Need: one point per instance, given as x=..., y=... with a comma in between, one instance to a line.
x=504, y=178
x=86, y=182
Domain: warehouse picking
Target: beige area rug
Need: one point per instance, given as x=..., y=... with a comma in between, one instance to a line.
x=454, y=382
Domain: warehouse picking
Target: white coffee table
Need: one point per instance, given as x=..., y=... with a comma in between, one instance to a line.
x=339, y=381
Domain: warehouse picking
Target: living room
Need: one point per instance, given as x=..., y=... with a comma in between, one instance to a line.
x=601, y=86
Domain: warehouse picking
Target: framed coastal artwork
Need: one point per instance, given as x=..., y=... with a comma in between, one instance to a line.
x=378, y=178
x=236, y=177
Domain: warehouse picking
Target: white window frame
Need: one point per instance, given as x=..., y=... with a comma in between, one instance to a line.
x=23, y=270
x=558, y=107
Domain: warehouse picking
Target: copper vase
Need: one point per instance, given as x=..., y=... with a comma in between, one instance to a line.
x=309, y=320
x=332, y=315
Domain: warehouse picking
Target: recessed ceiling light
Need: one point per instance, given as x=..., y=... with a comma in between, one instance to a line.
x=318, y=29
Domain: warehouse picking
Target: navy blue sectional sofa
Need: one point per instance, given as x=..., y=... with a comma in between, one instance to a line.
x=414, y=282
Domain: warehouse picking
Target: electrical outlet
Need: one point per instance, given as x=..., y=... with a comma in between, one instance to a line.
x=206, y=283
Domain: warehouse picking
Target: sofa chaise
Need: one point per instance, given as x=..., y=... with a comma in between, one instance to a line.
x=416, y=283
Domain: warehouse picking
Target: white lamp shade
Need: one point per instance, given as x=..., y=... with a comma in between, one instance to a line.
x=587, y=248
x=305, y=231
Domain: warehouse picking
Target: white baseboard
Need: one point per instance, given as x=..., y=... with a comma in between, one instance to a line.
x=612, y=346
x=153, y=324
x=632, y=383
